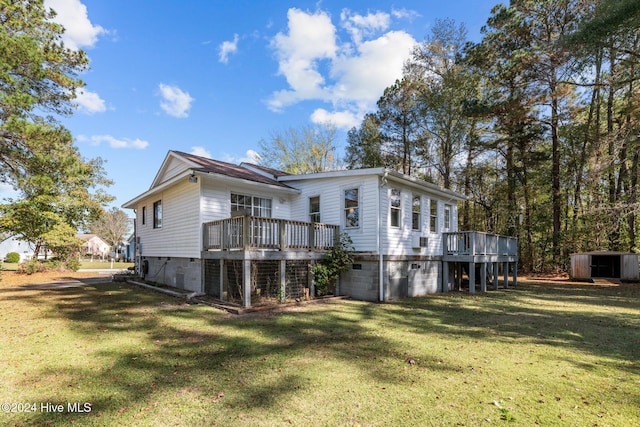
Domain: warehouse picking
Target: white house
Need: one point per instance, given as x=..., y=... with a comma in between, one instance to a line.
x=244, y=232
x=93, y=245
x=13, y=244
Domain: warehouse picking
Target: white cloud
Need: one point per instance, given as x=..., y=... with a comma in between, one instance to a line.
x=360, y=26
x=200, y=151
x=311, y=38
x=376, y=64
x=113, y=142
x=340, y=119
x=405, y=14
x=227, y=48
x=79, y=31
x=250, y=156
x=350, y=76
x=90, y=102
x=176, y=102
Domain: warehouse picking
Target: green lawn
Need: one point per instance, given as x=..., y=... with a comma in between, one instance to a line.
x=95, y=265
x=531, y=355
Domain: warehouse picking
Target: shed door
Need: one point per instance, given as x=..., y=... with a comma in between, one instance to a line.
x=605, y=266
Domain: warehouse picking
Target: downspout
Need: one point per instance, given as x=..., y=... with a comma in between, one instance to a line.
x=383, y=182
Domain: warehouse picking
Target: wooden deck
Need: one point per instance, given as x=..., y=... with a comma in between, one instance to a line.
x=476, y=246
x=251, y=233
x=468, y=249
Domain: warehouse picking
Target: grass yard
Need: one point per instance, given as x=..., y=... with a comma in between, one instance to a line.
x=545, y=354
x=94, y=265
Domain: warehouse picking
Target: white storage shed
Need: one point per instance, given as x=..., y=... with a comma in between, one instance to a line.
x=605, y=264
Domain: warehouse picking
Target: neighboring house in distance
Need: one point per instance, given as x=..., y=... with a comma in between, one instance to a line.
x=93, y=245
x=243, y=232
x=13, y=244
x=130, y=247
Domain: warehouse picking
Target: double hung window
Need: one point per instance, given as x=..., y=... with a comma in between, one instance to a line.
x=416, y=208
x=395, y=208
x=351, y=208
x=157, y=214
x=314, y=209
x=433, y=216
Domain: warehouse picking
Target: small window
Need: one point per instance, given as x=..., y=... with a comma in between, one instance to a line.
x=395, y=207
x=351, y=208
x=144, y=215
x=433, y=216
x=447, y=217
x=314, y=209
x=157, y=214
x=416, y=208
x=356, y=266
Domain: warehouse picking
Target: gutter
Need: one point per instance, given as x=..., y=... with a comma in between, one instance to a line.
x=383, y=183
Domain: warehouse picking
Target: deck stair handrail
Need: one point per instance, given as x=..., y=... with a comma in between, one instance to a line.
x=473, y=243
x=252, y=232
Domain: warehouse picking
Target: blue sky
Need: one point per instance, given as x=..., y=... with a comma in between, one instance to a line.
x=215, y=77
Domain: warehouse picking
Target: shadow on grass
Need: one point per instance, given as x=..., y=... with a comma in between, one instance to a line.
x=600, y=320
x=150, y=349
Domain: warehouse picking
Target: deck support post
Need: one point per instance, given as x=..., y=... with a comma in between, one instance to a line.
x=505, y=271
x=483, y=277
x=246, y=283
x=445, y=276
x=495, y=275
x=221, y=279
x=515, y=273
x=283, y=279
x=459, y=275
x=312, y=281
x=472, y=278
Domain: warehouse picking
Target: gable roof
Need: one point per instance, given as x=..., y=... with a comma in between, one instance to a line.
x=88, y=237
x=385, y=174
x=179, y=165
x=228, y=169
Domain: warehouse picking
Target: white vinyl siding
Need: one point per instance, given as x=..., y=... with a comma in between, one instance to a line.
x=180, y=232
x=331, y=192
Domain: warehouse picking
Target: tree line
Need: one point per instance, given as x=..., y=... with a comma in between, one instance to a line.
x=537, y=124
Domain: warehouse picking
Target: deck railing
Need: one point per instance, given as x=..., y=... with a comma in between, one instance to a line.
x=478, y=243
x=251, y=232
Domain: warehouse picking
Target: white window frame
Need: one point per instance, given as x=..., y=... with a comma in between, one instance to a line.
x=395, y=208
x=447, y=217
x=157, y=214
x=253, y=204
x=349, y=210
x=416, y=222
x=314, y=216
x=433, y=215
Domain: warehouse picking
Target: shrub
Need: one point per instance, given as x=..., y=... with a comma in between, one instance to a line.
x=13, y=257
x=33, y=266
x=335, y=261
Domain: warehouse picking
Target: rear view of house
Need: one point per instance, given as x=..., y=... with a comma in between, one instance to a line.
x=244, y=233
